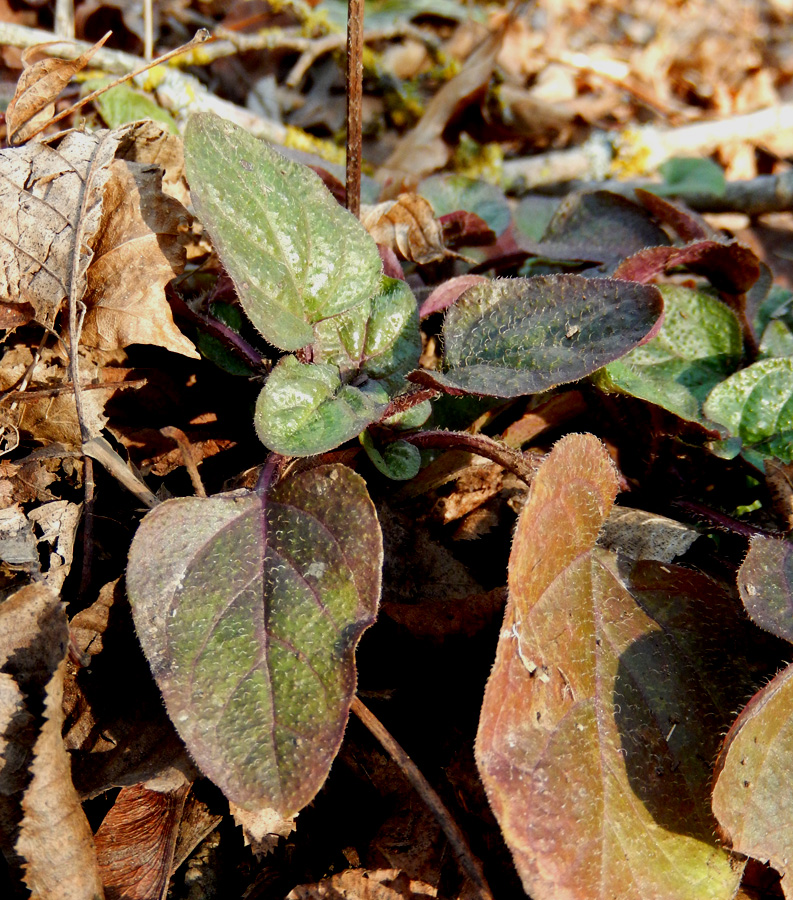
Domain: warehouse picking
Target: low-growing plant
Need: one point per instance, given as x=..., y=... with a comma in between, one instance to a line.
x=615, y=678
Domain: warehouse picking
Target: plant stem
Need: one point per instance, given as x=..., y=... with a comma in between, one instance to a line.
x=354, y=97
x=512, y=460
x=468, y=862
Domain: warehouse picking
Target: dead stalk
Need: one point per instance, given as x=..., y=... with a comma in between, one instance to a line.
x=354, y=98
x=468, y=862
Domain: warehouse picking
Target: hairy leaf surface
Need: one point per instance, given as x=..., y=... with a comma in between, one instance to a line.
x=751, y=796
x=295, y=255
x=249, y=611
x=305, y=409
x=756, y=405
x=750, y=801
x=595, y=732
x=699, y=345
x=379, y=337
x=525, y=335
x=765, y=581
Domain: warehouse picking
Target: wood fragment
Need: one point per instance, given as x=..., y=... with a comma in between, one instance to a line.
x=640, y=151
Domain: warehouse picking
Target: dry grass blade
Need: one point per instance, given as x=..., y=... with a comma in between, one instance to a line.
x=37, y=88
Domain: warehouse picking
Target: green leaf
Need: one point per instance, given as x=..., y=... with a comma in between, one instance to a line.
x=603, y=709
x=524, y=335
x=296, y=257
x=777, y=340
x=123, y=104
x=449, y=193
x=399, y=460
x=380, y=337
x=756, y=405
x=249, y=611
x=533, y=214
x=688, y=175
x=214, y=349
x=305, y=409
x=699, y=345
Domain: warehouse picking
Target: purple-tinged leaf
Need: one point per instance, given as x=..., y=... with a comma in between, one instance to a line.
x=249, y=610
x=729, y=266
x=604, y=706
x=689, y=225
x=597, y=227
x=521, y=336
x=765, y=581
x=447, y=293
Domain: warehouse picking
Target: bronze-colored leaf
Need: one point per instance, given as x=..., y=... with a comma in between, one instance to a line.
x=38, y=87
x=603, y=708
x=136, y=842
x=408, y=226
x=50, y=201
x=39, y=807
x=750, y=795
x=137, y=251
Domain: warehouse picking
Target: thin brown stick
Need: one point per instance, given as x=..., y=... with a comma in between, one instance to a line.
x=67, y=386
x=468, y=862
x=354, y=104
x=201, y=36
x=177, y=435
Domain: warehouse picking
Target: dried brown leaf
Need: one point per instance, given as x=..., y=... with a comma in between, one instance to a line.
x=37, y=89
x=408, y=226
x=116, y=726
x=136, y=842
x=37, y=798
x=365, y=884
x=262, y=828
x=50, y=419
x=423, y=149
x=51, y=198
x=137, y=251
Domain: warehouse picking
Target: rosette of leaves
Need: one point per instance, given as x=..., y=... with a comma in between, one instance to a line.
x=309, y=278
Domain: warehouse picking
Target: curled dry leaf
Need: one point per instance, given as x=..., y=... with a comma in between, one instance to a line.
x=136, y=842
x=262, y=828
x=49, y=198
x=408, y=226
x=39, y=807
x=38, y=86
x=137, y=251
